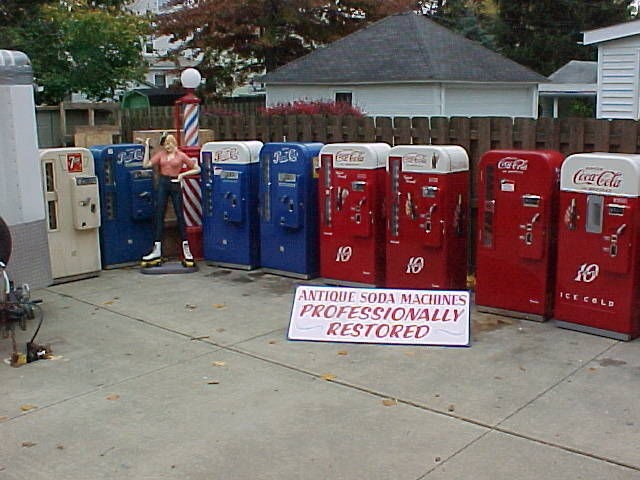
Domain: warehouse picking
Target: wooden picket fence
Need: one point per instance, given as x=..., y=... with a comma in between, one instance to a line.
x=476, y=134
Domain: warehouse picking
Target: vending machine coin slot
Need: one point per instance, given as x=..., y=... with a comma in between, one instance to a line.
x=530, y=200
x=616, y=210
x=85, y=200
x=289, y=208
x=429, y=192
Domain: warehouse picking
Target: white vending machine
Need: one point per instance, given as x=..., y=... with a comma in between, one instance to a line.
x=21, y=205
x=72, y=204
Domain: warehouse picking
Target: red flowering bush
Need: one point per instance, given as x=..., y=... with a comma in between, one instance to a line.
x=317, y=107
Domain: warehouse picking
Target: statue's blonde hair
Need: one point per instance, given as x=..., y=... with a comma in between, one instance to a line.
x=170, y=139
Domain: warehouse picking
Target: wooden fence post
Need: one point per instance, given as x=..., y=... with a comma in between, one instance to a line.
x=420, y=134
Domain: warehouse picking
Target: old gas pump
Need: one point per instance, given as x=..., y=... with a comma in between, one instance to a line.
x=288, y=209
x=230, y=177
x=73, y=212
x=126, y=197
x=598, y=274
x=352, y=227
x=427, y=192
x=516, y=244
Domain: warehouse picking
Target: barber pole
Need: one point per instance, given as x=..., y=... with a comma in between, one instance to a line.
x=191, y=192
x=191, y=119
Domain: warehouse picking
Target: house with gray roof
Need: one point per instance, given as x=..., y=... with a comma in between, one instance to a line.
x=576, y=79
x=408, y=65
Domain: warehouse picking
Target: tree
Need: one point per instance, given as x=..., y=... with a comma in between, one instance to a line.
x=544, y=35
x=76, y=47
x=240, y=37
x=474, y=19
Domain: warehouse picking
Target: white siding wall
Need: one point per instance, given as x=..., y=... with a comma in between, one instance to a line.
x=618, y=70
x=420, y=100
x=498, y=101
x=374, y=100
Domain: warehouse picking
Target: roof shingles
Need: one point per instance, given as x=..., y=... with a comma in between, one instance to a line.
x=402, y=48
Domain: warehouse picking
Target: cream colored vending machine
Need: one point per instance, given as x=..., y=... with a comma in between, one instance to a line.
x=72, y=204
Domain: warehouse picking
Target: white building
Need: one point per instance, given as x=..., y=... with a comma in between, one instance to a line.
x=408, y=65
x=162, y=73
x=618, y=70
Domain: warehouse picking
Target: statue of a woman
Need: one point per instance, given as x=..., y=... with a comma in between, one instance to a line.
x=170, y=161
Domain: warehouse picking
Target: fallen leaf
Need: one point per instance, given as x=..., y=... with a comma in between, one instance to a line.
x=343, y=352
x=522, y=368
x=409, y=354
x=219, y=364
x=220, y=330
x=213, y=382
x=27, y=407
x=272, y=342
x=113, y=396
x=451, y=408
x=29, y=444
x=390, y=402
x=219, y=305
x=3, y=418
x=108, y=302
x=60, y=447
x=593, y=369
x=328, y=377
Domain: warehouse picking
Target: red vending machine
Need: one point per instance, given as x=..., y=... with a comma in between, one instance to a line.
x=352, y=213
x=598, y=275
x=427, y=201
x=517, y=217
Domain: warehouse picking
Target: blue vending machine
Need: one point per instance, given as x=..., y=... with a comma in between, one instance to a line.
x=289, y=209
x=230, y=226
x=126, y=199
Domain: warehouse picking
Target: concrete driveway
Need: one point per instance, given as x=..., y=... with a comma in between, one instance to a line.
x=192, y=377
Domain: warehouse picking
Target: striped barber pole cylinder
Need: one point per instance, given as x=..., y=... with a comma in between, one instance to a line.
x=192, y=205
x=191, y=120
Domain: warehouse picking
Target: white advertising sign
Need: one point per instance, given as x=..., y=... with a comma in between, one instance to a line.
x=388, y=316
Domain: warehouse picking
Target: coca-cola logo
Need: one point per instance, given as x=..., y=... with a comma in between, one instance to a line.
x=415, y=159
x=598, y=177
x=350, y=156
x=513, y=163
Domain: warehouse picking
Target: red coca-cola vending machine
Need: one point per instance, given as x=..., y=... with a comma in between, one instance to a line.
x=516, y=245
x=598, y=275
x=352, y=223
x=427, y=202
